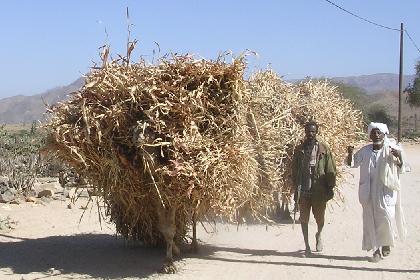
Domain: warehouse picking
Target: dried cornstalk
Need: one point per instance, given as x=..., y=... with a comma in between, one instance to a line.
x=172, y=134
x=281, y=109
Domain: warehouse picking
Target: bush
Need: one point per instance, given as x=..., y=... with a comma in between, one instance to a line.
x=20, y=159
x=413, y=90
x=379, y=113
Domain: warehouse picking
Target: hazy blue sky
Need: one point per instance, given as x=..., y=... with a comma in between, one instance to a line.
x=45, y=44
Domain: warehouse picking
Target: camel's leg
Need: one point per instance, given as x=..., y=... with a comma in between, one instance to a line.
x=175, y=250
x=167, y=227
x=286, y=215
x=282, y=208
x=286, y=209
x=194, y=244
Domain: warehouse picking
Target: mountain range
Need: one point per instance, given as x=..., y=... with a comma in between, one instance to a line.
x=376, y=83
x=26, y=109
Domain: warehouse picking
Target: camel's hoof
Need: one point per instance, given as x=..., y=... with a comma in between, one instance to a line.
x=168, y=268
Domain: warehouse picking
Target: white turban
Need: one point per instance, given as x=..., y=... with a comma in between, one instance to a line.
x=381, y=126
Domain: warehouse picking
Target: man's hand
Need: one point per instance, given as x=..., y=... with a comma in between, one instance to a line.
x=396, y=153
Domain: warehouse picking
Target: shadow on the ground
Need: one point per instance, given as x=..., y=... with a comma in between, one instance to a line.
x=96, y=255
x=207, y=252
x=105, y=256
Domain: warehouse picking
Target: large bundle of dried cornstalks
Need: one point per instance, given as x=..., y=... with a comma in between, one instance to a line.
x=160, y=142
x=166, y=144
x=280, y=111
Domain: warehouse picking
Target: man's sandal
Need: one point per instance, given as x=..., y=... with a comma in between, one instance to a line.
x=386, y=250
x=308, y=253
x=376, y=257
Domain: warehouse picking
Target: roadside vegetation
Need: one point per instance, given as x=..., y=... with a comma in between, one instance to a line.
x=21, y=162
x=413, y=98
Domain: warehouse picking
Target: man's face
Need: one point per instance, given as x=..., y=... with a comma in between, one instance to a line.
x=310, y=132
x=376, y=136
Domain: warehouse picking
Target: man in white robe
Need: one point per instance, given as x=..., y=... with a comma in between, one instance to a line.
x=381, y=164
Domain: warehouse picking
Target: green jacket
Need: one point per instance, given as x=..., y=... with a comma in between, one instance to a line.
x=325, y=171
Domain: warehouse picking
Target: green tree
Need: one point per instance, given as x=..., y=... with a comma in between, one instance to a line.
x=379, y=113
x=413, y=90
x=355, y=94
x=372, y=111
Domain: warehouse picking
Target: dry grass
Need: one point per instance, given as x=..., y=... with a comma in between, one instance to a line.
x=172, y=135
x=191, y=135
x=281, y=110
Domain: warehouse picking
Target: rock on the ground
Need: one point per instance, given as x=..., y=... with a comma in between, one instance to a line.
x=46, y=193
x=30, y=199
x=7, y=196
x=4, y=184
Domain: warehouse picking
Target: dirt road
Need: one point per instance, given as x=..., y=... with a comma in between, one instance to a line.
x=49, y=243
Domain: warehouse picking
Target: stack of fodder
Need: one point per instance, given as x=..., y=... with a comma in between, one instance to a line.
x=160, y=142
x=271, y=112
x=281, y=110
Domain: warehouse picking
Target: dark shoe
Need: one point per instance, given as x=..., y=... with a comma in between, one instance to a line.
x=376, y=257
x=386, y=250
x=308, y=253
x=319, y=245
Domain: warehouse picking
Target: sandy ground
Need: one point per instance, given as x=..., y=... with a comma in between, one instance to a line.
x=50, y=243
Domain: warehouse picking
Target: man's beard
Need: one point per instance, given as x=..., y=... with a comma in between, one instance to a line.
x=378, y=142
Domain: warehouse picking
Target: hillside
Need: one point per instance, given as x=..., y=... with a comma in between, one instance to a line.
x=25, y=109
x=376, y=83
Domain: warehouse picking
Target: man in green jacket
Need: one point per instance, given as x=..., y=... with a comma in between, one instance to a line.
x=314, y=176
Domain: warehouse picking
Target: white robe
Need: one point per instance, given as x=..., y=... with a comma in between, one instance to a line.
x=380, y=197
